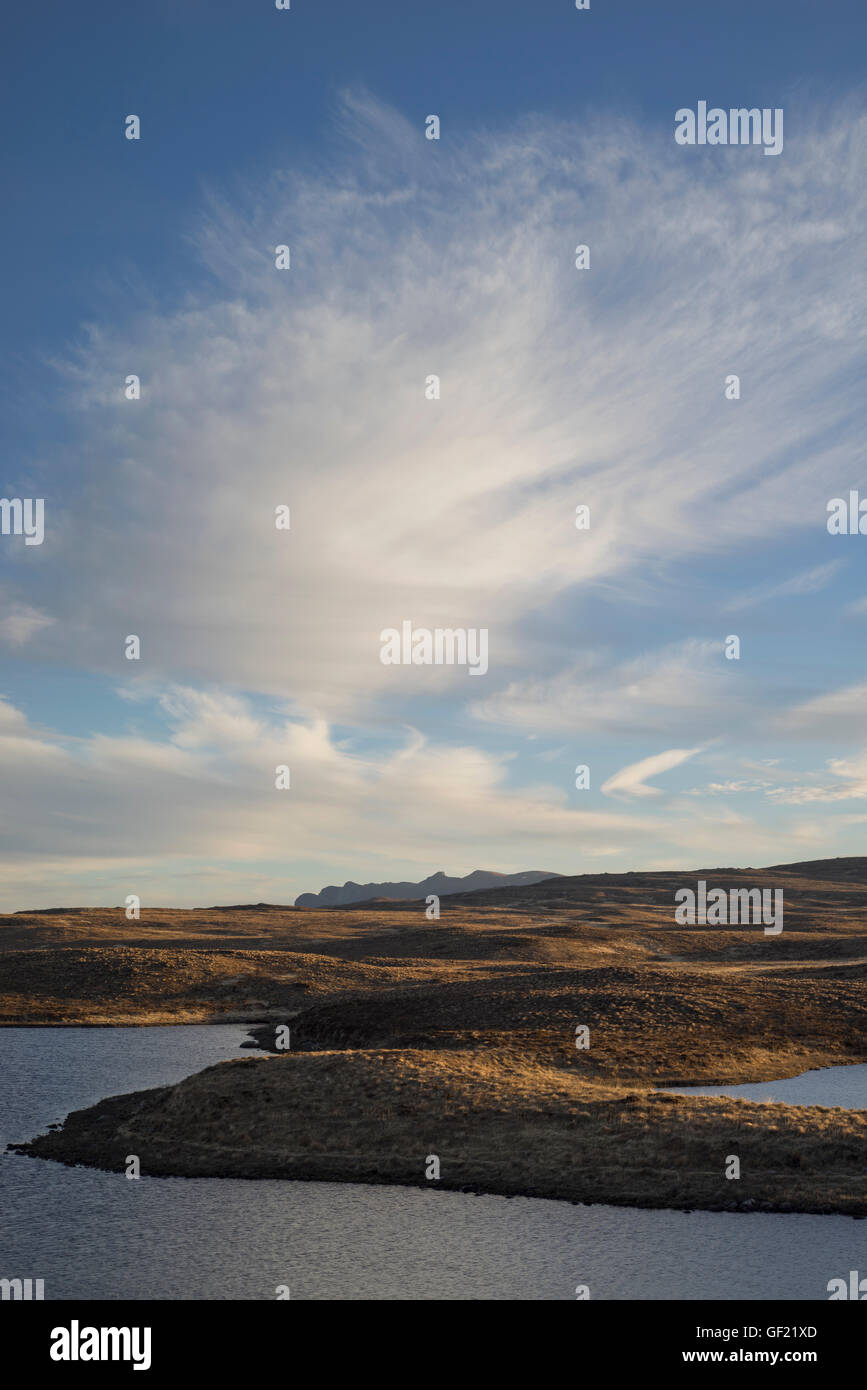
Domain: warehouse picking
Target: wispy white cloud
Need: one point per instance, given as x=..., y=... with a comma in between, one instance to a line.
x=810, y=581
x=193, y=815
x=685, y=686
x=206, y=791
x=22, y=623
x=837, y=715
x=558, y=387
x=851, y=784
x=632, y=780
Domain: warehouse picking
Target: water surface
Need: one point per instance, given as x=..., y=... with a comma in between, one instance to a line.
x=93, y=1235
x=843, y=1086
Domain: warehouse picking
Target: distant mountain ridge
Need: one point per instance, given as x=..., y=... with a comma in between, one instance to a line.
x=438, y=883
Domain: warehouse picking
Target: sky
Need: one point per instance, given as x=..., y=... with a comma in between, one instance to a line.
x=307, y=388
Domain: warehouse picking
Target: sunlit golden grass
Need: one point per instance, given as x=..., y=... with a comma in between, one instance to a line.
x=456, y=1038
x=496, y=1123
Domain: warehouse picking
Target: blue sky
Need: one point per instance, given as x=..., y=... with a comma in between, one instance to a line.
x=306, y=387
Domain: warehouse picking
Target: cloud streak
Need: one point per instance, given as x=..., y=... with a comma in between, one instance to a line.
x=559, y=387
x=632, y=781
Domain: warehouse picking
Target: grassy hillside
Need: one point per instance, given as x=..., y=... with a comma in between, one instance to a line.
x=456, y=1038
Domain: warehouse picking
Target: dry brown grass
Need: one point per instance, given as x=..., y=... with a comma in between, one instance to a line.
x=497, y=1123
x=456, y=1038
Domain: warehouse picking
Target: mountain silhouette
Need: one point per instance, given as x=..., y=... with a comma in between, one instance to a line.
x=438, y=883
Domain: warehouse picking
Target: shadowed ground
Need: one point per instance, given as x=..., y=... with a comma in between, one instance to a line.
x=456, y=1038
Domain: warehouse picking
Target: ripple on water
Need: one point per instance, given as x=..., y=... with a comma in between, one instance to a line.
x=97, y=1235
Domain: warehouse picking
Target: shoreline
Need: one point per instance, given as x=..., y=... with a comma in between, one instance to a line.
x=659, y=1152
x=463, y=1040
